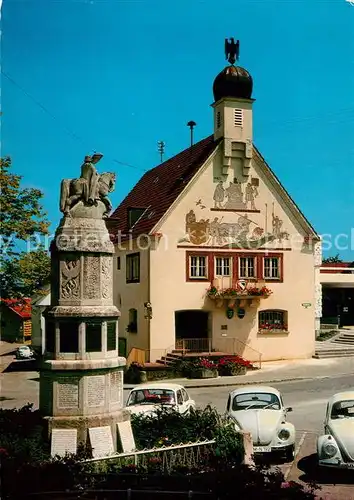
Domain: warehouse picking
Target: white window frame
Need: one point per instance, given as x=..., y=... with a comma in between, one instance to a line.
x=270, y=267
x=247, y=276
x=198, y=267
x=216, y=266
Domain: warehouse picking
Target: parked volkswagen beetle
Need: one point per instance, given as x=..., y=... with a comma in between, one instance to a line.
x=335, y=448
x=147, y=398
x=260, y=410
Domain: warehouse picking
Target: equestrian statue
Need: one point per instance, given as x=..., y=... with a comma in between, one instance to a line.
x=89, y=188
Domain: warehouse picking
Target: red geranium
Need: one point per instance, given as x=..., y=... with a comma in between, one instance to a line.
x=233, y=361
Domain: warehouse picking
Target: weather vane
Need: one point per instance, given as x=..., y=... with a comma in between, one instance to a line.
x=232, y=50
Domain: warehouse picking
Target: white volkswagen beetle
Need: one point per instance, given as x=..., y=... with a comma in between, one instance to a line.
x=336, y=447
x=260, y=410
x=147, y=398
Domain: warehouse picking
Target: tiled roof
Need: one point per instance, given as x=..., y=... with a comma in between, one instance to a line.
x=22, y=307
x=159, y=188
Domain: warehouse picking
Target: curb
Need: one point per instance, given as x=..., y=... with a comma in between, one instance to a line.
x=197, y=385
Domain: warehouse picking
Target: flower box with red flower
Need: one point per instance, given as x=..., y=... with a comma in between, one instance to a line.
x=203, y=368
x=233, y=365
x=237, y=292
x=273, y=328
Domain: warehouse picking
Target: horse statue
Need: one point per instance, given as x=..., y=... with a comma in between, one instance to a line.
x=74, y=190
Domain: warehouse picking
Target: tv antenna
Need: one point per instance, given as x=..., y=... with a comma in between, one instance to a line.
x=161, y=149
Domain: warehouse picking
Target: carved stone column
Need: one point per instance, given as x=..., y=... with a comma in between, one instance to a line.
x=81, y=377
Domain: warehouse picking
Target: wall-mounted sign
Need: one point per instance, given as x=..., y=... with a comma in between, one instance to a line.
x=306, y=304
x=230, y=313
x=241, y=312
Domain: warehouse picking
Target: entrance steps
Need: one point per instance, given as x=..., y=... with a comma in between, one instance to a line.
x=178, y=354
x=341, y=345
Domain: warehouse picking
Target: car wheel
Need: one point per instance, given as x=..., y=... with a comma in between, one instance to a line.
x=290, y=453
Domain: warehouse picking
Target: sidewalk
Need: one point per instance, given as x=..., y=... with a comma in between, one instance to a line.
x=275, y=371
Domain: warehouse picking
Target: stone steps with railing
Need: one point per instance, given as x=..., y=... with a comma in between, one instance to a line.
x=340, y=346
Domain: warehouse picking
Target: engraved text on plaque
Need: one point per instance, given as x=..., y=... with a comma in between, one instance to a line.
x=68, y=393
x=96, y=390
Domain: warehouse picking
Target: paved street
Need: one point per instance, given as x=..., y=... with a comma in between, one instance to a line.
x=308, y=399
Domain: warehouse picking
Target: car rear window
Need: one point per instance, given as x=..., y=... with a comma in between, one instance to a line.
x=151, y=396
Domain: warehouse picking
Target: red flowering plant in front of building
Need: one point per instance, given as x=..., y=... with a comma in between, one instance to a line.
x=233, y=365
x=205, y=363
x=200, y=368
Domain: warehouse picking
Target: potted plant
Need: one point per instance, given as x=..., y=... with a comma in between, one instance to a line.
x=233, y=365
x=203, y=368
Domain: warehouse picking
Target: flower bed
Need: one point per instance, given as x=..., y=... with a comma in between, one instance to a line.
x=233, y=365
x=206, y=368
x=203, y=368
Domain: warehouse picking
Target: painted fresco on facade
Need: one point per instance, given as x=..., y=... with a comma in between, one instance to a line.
x=234, y=197
x=243, y=231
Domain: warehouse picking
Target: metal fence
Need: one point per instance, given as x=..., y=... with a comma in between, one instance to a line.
x=164, y=458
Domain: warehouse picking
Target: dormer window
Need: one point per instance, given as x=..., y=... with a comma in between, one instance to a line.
x=134, y=215
x=238, y=117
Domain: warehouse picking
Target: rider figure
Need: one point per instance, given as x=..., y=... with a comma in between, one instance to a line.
x=91, y=176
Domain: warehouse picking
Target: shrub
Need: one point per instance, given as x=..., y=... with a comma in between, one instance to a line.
x=170, y=428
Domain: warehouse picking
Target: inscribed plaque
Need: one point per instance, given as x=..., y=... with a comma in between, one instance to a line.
x=96, y=390
x=126, y=436
x=68, y=393
x=116, y=387
x=101, y=441
x=63, y=441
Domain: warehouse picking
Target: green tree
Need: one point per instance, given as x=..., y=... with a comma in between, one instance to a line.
x=22, y=219
x=332, y=260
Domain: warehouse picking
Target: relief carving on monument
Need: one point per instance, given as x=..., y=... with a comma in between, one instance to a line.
x=91, y=285
x=70, y=278
x=106, y=277
x=318, y=253
x=318, y=300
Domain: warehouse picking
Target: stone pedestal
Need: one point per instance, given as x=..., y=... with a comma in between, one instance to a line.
x=81, y=377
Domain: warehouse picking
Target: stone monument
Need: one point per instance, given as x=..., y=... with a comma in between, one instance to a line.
x=81, y=376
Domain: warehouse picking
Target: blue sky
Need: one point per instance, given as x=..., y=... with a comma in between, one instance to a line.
x=117, y=76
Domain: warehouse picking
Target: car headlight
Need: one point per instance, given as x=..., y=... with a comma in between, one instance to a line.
x=330, y=450
x=284, y=434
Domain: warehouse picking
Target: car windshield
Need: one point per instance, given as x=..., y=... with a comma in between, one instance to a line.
x=256, y=400
x=151, y=396
x=343, y=409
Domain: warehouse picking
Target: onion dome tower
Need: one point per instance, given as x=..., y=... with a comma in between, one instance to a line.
x=232, y=89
